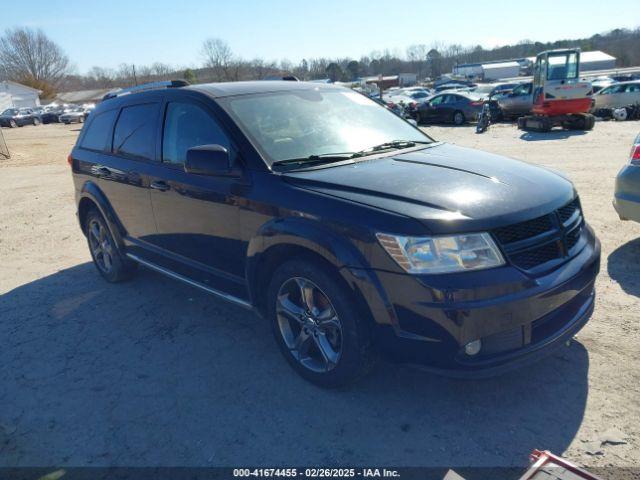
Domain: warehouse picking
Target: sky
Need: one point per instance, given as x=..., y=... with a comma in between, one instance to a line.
x=170, y=31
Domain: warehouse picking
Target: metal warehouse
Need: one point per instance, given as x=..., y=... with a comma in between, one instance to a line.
x=15, y=95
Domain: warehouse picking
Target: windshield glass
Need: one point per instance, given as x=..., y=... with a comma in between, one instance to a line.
x=304, y=123
x=10, y=111
x=562, y=66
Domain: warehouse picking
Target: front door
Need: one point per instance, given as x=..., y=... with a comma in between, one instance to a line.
x=196, y=215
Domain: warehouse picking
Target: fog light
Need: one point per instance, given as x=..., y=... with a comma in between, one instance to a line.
x=473, y=348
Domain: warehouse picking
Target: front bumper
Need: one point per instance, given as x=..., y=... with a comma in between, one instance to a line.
x=517, y=317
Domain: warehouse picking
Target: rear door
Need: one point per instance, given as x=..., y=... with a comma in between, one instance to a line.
x=448, y=106
x=632, y=94
x=197, y=215
x=124, y=171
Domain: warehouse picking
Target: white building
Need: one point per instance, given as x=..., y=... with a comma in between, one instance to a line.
x=15, y=95
x=496, y=71
x=593, y=60
x=488, y=70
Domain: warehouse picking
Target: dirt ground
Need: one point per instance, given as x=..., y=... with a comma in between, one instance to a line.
x=152, y=372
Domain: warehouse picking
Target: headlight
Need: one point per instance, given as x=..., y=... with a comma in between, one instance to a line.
x=456, y=253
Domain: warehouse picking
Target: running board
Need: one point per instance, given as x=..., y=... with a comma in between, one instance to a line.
x=182, y=278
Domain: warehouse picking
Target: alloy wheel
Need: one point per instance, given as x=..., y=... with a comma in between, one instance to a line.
x=309, y=325
x=101, y=246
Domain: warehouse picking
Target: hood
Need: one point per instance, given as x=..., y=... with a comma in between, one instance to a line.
x=446, y=186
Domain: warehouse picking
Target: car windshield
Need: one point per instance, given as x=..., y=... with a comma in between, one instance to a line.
x=309, y=123
x=10, y=111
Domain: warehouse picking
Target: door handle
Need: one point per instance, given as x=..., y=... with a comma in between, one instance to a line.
x=100, y=170
x=160, y=185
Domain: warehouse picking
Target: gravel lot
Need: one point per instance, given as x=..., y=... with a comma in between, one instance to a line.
x=153, y=372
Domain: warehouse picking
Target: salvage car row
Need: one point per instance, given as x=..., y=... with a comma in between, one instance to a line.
x=19, y=117
x=459, y=103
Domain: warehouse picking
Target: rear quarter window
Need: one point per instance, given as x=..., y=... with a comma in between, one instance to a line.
x=98, y=134
x=135, y=131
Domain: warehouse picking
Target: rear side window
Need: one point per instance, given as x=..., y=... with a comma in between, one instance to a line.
x=98, y=134
x=134, y=132
x=187, y=125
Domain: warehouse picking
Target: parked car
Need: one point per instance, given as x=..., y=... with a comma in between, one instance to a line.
x=18, y=117
x=618, y=95
x=457, y=108
x=349, y=230
x=454, y=86
x=626, y=198
x=76, y=115
x=52, y=115
x=518, y=102
x=599, y=83
x=487, y=90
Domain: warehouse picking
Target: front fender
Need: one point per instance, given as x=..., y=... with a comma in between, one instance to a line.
x=349, y=260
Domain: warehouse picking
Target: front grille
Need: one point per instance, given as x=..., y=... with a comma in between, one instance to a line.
x=523, y=230
x=568, y=210
x=532, y=257
x=534, y=243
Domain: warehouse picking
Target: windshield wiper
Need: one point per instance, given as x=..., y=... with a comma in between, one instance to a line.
x=317, y=159
x=394, y=144
x=339, y=156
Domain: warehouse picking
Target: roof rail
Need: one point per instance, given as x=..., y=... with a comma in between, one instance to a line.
x=146, y=86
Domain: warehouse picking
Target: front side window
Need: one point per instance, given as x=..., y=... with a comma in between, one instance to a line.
x=134, y=132
x=437, y=100
x=98, y=133
x=303, y=123
x=187, y=125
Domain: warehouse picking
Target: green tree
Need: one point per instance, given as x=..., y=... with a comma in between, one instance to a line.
x=189, y=75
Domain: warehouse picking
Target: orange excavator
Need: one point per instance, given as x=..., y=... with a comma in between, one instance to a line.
x=560, y=98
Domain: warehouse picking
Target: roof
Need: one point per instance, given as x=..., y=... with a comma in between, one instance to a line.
x=592, y=56
x=491, y=66
x=596, y=56
x=82, y=96
x=228, y=89
x=26, y=87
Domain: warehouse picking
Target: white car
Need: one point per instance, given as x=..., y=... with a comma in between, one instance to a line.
x=618, y=95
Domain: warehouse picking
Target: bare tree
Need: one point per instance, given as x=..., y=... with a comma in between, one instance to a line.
x=218, y=56
x=28, y=56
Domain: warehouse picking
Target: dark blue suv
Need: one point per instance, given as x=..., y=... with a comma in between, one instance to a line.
x=353, y=232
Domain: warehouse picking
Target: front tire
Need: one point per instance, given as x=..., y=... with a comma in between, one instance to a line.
x=317, y=325
x=104, y=251
x=12, y=123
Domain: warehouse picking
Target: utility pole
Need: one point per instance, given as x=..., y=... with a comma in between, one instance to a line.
x=135, y=79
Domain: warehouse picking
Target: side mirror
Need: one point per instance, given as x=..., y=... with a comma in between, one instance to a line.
x=208, y=160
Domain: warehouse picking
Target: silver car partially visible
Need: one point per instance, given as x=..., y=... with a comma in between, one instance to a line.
x=518, y=102
x=626, y=198
x=618, y=95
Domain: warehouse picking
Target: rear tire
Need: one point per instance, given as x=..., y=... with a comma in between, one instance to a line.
x=36, y=122
x=104, y=251
x=458, y=118
x=302, y=296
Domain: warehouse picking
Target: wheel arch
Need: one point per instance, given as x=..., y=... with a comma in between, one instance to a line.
x=282, y=240
x=92, y=197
